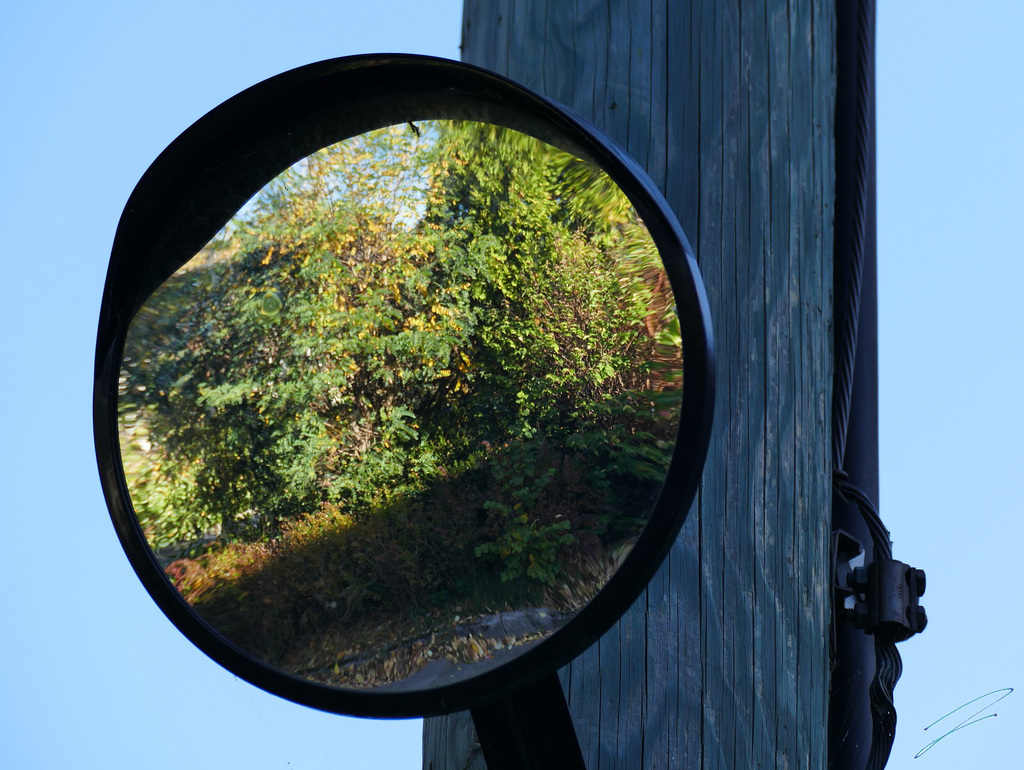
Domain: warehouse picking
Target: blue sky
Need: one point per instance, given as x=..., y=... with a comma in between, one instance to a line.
x=93, y=676
x=951, y=340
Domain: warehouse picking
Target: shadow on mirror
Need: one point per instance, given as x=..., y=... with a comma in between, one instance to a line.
x=410, y=408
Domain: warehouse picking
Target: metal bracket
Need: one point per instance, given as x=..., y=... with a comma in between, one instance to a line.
x=881, y=598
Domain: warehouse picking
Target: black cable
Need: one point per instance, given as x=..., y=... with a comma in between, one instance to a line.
x=888, y=668
x=849, y=492
x=888, y=664
x=847, y=341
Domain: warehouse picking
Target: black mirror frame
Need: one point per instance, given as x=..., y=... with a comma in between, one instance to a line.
x=201, y=180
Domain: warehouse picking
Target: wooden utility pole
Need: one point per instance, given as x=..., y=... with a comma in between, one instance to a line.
x=729, y=105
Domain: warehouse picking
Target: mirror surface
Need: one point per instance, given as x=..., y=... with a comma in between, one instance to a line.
x=407, y=412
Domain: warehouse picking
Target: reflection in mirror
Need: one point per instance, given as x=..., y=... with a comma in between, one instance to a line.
x=407, y=412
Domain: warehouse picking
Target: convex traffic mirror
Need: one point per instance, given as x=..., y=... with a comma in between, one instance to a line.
x=403, y=384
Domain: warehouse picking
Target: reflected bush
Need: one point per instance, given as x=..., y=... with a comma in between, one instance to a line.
x=424, y=374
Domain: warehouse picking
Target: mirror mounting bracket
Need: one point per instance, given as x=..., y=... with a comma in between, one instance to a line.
x=530, y=729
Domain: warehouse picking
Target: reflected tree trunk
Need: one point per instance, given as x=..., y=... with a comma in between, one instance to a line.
x=723, y=661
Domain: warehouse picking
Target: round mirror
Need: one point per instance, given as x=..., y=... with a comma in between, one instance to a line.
x=403, y=401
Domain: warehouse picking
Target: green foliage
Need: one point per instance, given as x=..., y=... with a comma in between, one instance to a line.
x=536, y=500
x=295, y=353
x=418, y=362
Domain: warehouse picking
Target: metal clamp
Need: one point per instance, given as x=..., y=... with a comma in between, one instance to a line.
x=885, y=592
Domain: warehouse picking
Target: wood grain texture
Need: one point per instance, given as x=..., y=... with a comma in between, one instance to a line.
x=723, y=661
